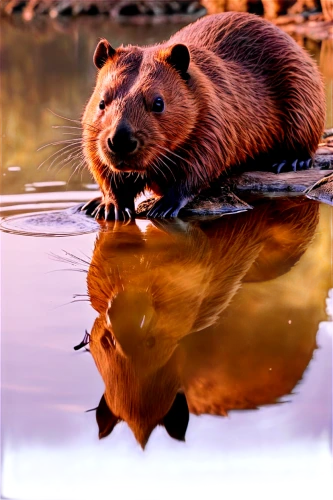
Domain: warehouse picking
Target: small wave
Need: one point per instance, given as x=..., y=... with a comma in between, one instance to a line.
x=55, y=223
x=37, y=197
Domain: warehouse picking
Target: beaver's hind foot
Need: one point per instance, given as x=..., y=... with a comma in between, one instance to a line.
x=295, y=165
x=168, y=205
x=105, y=210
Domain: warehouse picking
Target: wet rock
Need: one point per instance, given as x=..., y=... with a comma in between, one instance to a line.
x=322, y=190
x=213, y=202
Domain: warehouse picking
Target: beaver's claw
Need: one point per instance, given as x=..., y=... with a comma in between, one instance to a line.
x=91, y=206
x=106, y=210
x=288, y=165
x=123, y=214
x=166, y=206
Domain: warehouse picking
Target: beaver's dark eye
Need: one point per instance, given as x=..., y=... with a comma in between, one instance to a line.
x=102, y=105
x=150, y=342
x=158, y=105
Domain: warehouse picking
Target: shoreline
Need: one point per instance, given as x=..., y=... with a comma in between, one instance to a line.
x=315, y=25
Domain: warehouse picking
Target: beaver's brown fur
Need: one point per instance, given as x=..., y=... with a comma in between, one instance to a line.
x=172, y=117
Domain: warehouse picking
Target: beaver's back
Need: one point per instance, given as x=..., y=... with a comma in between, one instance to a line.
x=239, y=37
x=256, y=46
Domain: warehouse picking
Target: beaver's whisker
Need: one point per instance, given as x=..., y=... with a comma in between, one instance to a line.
x=153, y=168
x=72, y=175
x=63, y=117
x=167, y=166
x=56, y=143
x=92, y=127
x=115, y=179
x=82, y=170
x=166, y=157
x=82, y=162
x=86, y=141
x=64, y=151
x=120, y=177
x=179, y=147
x=70, y=258
x=74, y=121
x=66, y=126
x=83, y=139
x=172, y=152
x=66, y=161
x=158, y=169
x=72, y=154
x=176, y=154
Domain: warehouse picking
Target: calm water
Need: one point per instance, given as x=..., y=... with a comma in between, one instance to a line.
x=232, y=312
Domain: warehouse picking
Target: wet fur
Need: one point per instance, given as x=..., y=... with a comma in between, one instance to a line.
x=250, y=94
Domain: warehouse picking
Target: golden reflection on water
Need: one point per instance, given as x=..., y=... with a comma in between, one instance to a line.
x=48, y=66
x=205, y=316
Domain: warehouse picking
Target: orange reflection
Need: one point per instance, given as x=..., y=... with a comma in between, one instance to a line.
x=203, y=317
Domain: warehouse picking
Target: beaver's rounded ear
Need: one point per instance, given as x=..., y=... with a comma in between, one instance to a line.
x=102, y=53
x=176, y=420
x=106, y=420
x=178, y=56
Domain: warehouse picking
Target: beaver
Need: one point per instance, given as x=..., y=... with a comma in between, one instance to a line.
x=183, y=283
x=230, y=89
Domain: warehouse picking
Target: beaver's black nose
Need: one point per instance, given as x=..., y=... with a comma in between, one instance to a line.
x=123, y=142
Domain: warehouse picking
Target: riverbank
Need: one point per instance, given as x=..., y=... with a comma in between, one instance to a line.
x=310, y=19
x=29, y=9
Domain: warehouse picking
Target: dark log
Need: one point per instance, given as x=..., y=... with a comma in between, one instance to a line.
x=223, y=200
x=295, y=182
x=328, y=133
x=316, y=183
x=212, y=203
x=267, y=182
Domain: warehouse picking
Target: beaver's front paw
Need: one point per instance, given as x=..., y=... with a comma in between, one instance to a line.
x=106, y=210
x=89, y=207
x=166, y=206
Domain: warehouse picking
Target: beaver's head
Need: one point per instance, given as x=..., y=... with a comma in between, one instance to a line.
x=136, y=282
x=143, y=400
x=141, y=109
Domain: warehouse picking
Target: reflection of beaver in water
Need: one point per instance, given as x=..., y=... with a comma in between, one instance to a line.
x=153, y=289
x=227, y=90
